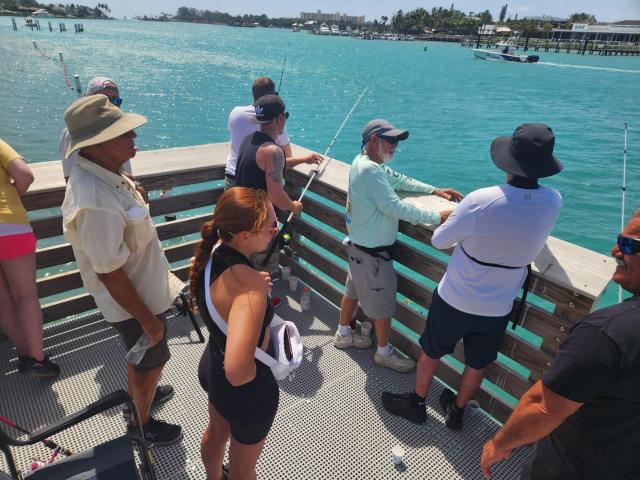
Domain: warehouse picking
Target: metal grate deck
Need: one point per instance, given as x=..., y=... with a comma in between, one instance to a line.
x=330, y=423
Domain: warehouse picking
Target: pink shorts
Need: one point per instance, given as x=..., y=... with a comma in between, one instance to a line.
x=14, y=246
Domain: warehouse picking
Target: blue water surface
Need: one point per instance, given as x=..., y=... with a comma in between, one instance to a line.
x=186, y=77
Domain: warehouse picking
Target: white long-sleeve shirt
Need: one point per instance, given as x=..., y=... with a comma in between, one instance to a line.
x=504, y=225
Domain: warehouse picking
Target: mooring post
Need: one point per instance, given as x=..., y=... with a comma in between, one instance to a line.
x=76, y=79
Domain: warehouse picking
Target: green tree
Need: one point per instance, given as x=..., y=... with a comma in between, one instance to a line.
x=486, y=17
x=503, y=12
x=582, y=18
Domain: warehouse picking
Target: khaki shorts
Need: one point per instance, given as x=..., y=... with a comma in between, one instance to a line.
x=373, y=281
x=130, y=330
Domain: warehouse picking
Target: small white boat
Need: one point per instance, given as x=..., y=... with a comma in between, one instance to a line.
x=506, y=52
x=324, y=30
x=29, y=22
x=335, y=30
x=42, y=13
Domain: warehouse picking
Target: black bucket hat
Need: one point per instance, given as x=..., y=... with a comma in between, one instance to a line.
x=528, y=152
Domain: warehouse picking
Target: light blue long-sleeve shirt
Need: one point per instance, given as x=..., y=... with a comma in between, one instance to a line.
x=373, y=207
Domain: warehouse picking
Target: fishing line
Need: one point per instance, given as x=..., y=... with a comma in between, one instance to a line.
x=320, y=170
x=624, y=191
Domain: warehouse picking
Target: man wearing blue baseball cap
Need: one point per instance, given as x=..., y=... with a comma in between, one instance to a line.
x=373, y=212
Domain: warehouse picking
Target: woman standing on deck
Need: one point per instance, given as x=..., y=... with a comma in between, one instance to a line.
x=20, y=312
x=243, y=394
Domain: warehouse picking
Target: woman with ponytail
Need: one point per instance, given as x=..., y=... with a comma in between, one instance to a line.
x=243, y=395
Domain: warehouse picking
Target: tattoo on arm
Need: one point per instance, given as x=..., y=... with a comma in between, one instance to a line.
x=277, y=166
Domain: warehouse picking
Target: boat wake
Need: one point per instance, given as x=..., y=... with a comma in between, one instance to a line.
x=587, y=67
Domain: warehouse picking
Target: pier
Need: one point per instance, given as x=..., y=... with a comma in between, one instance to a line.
x=330, y=423
x=556, y=45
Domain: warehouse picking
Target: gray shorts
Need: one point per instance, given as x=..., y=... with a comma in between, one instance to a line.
x=130, y=330
x=373, y=281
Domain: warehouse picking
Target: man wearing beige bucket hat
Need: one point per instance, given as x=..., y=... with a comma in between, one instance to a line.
x=121, y=261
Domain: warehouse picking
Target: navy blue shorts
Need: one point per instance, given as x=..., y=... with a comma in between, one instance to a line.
x=446, y=325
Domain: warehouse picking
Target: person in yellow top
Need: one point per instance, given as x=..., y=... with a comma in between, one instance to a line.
x=20, y=312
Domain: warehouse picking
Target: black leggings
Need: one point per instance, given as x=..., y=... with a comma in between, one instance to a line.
x=249, y=408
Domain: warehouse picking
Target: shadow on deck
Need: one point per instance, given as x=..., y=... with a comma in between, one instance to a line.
x=330, y=423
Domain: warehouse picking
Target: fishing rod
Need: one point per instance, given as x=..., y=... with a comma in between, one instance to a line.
x=286, y=54
x=47, y=443
x=624, y=189
x=276, y=240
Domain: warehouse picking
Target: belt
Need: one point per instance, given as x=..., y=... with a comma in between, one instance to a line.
x=375, y=251
x=516, y=317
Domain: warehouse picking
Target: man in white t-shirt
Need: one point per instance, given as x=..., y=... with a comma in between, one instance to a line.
x=97, y=85
x=240, y=126
x=497, y=232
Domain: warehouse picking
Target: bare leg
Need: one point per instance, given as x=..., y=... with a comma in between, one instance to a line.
x=469, y=383
x=142, y=387
x=426, y=369
x=243, y=459
x=20, y=276
x=347, y=309
x=9, y=321
x=213, y=444
x=382, y=331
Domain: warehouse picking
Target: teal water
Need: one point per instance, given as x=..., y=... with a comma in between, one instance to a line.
x=185, y=78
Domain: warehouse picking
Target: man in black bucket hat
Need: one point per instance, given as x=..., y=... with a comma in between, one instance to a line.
x=497, y=232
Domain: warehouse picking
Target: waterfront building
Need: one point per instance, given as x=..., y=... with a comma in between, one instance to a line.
x=332, y=17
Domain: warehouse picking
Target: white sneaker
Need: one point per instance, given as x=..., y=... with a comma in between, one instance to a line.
x=395, y=361
x=351, y=340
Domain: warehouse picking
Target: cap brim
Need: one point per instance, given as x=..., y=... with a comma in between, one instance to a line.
x=396, y=133
x=504, y=160
x=126, y=123
x=254, y=119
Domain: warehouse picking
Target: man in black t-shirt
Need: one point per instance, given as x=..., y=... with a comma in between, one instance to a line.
x=585, y=412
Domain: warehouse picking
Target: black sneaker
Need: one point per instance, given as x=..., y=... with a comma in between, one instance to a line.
x=403, y=405
x=35, y=368
x=452, y=414
x=163, y=394
x=157, y=432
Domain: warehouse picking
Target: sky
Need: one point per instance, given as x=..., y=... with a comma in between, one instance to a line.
x=604, y=10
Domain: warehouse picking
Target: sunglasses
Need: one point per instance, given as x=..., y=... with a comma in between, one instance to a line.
x=286, y=115
x=117, y=100
x=628, y=245
x=391, y=140
x=273, y=229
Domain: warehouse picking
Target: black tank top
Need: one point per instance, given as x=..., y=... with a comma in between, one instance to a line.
x=248, y=174
x=224, y=257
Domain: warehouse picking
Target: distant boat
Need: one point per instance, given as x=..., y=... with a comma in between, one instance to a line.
x=42, y=13
x=505, y=53
x=324, y=30
x=335, y=30
x=29, y=22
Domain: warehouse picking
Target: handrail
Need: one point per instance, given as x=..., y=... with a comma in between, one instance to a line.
x=559, y=276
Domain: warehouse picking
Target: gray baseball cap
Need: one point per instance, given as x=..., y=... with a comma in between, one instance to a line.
x=382, y=128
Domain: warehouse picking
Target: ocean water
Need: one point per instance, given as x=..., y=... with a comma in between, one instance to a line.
x=185, y=78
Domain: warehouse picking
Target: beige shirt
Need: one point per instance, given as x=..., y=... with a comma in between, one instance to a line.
x=108, y=224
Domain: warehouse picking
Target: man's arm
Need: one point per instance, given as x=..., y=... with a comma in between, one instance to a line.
x=539, y=412
x=458, y=225
x=402, y=183
x=101, y=235
x=273, y=159
x=389, y=203
x=312, y=158
x=123, y=291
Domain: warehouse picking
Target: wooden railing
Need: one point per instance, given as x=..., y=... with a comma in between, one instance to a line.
x=567, y=277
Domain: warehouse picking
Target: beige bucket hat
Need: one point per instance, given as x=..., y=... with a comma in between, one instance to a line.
x=93, y=120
